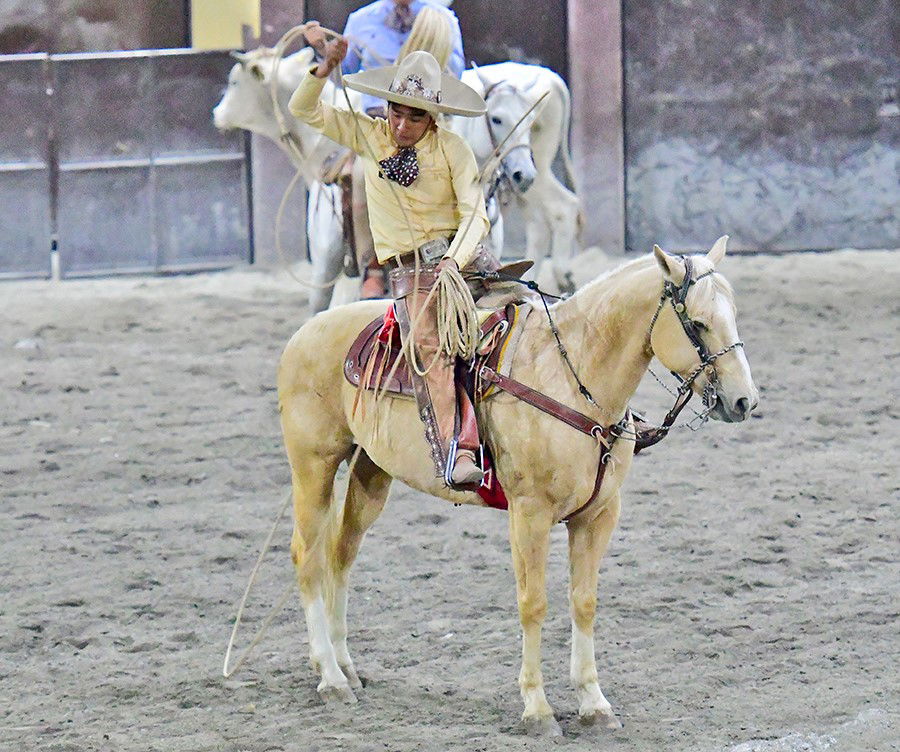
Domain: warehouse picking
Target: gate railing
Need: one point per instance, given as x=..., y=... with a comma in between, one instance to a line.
x=141, y=180
x=25, y=207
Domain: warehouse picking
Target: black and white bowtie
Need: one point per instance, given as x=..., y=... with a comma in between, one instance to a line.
x=402, y=168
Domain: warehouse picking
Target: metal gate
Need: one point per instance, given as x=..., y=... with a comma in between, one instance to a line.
x=25, y=223
x=146, y=183
x=139, y=179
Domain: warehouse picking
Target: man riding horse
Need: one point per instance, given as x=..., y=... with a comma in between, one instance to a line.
x=383, y=33
x=425, y=205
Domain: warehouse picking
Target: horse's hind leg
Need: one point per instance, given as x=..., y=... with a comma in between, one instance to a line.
x=367, y=492
x=587, y=544
x=313, y=484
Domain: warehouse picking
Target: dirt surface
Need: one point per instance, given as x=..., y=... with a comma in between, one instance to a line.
x=749, y=602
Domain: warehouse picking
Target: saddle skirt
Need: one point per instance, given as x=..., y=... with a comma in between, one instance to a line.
x=370, y=361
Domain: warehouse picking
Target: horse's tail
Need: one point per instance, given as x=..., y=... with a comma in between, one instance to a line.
x=566, y=105
x=562, y=92
x=431, y=32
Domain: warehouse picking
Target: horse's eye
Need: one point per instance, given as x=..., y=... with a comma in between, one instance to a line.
x=496, y=121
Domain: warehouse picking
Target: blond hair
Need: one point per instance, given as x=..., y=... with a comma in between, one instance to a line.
x=431, y=32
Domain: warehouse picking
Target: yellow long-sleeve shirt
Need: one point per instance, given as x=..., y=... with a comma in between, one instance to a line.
x=438, y=203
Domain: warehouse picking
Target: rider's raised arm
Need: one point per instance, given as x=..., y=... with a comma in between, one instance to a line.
x=344, y=127
x=470, y=208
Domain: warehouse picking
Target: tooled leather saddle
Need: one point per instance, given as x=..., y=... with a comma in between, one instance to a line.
x=370, y=361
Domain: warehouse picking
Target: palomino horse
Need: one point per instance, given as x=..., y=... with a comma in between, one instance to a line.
x=612, y=328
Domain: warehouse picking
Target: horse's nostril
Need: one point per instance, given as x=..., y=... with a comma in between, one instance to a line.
x=743, y=407
x=517, y=176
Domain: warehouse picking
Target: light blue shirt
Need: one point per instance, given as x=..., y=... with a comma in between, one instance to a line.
x=379, y=45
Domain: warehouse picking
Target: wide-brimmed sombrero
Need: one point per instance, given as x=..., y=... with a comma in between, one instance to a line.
x=418, y=82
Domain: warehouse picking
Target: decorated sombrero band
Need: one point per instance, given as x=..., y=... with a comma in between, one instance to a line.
x=418, y=82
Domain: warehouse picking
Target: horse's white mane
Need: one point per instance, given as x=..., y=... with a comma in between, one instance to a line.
x=704, y=290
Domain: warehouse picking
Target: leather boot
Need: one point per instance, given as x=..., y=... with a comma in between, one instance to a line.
x=373, y=285
x=465, y=471
x=436, y=392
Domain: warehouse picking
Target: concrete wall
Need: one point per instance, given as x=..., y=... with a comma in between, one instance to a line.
x=91, y=25
x=772, y=122
x=595, y=81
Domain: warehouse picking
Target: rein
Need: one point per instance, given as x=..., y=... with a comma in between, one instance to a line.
x=644, y=434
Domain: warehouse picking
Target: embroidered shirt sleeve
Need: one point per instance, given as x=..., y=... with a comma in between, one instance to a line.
x=347, y=128
x=470, y=209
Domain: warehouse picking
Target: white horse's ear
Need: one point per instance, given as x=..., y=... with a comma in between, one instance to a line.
x=672, y=267
x=241, y=57
x=717, y=252
x=484, y=81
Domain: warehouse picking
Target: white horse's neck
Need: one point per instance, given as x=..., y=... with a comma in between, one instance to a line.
x=475, y=133
x=605, y=327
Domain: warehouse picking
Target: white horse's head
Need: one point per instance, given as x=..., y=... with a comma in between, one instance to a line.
x=247, y=100
x=695, y=333
x=507, y=105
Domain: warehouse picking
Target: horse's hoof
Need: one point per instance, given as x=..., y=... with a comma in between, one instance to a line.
x=352, y=677
x=600, y=718
x=541, y=726
x=339, y=694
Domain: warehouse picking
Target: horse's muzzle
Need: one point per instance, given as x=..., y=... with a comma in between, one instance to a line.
x=734, y=412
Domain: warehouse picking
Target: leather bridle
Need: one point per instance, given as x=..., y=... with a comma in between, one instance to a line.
x=643, y=434
x=677, y=296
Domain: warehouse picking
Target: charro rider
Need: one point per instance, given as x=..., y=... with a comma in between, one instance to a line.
x=424, y=198
x=383, y=33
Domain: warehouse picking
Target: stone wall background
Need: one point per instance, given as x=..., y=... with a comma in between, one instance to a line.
x=774, y=122
x=91, y=25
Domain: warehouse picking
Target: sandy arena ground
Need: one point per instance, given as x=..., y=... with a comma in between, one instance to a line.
x=749, y=602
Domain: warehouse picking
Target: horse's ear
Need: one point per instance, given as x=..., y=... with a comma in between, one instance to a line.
x=717, y=252
x=241, y=57
x=484, y=82
x=672, y=267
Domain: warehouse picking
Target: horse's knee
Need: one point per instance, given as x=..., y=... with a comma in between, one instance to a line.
x=584, y=607
x=532, y=610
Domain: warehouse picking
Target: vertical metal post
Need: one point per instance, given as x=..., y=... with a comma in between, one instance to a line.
x=271, y=170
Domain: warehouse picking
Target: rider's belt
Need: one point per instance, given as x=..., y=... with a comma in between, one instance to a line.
x=429, y=253
x=403, y=280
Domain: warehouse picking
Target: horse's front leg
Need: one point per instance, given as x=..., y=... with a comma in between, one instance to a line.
x=529, y=537
x=588, y=540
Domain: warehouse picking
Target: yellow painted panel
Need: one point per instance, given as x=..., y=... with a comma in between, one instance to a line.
x=217, y=24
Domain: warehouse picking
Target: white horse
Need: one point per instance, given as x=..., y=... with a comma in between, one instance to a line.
x=680, y=311
x=247, y=104
x=552, y=211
